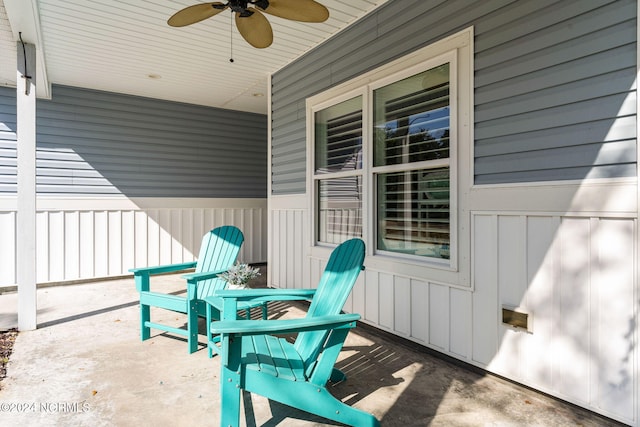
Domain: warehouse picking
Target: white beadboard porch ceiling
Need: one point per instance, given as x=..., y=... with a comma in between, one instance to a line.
x=126, y=46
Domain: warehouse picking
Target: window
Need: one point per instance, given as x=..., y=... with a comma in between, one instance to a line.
x=384, y=155
x=338, y=166
x=411, y=164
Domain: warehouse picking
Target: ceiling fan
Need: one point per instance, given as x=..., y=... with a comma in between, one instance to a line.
x=252, y=24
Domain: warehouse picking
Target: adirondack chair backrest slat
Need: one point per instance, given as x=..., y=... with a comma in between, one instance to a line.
x=219, y=250
x=340, y=274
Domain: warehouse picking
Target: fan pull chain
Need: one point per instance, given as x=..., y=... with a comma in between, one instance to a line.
x=231, y=37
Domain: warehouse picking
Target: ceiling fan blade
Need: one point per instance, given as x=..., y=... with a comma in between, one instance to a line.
x=297, y=10
x=255, y=29
x=196, y=13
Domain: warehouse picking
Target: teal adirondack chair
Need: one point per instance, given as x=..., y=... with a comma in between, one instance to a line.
x=295, y=374
x=218, y=251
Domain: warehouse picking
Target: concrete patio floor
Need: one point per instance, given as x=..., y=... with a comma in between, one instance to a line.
x=86, y=366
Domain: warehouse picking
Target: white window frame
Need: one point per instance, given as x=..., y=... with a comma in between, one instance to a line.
x=456, y=49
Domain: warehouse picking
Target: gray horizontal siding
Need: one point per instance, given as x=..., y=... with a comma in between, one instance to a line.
x=552, y=84
x=8, y=159
x=554, y=97
x=96, y=143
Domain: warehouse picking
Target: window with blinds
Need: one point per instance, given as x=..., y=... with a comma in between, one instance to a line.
x=411, y=164
x=408, y=174
x=338, y=171
x=384, y=156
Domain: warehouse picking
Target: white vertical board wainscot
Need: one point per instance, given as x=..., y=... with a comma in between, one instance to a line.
x=575, y=278
x=564, y=255
x=84, y=239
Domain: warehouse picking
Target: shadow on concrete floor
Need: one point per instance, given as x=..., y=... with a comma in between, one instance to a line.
x=86, y=365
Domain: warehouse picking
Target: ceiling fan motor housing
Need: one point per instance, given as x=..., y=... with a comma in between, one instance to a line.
x=240, y=6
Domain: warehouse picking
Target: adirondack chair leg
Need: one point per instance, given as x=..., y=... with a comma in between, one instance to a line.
x=209, y=319
x=324, y=404
x=145, y=316
x=212, y=313
x=142, y=285
x=192, y=322
x=230, y=383
x=354, y=417
x=264, y=311
x=230, y=401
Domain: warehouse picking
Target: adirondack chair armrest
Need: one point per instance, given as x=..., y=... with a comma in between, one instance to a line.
x=196, y=277
x=265, y=294
x=162, y=268
x=262, y=327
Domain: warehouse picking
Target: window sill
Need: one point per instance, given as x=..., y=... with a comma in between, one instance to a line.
x=421, y=270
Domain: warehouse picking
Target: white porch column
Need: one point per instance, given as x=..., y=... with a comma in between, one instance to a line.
x=26, y=217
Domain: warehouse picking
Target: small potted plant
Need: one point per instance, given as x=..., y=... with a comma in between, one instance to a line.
x=238, y=275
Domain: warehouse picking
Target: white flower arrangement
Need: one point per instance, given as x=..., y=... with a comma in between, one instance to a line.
x=238, y=275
